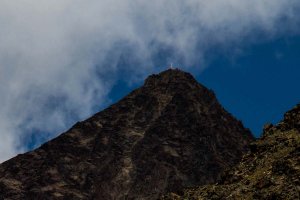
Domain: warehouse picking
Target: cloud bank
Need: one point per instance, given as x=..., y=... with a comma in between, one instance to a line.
x=59, y=58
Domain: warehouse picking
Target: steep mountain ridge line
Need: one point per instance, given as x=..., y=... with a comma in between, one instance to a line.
x=270, y=171
x=166, y=135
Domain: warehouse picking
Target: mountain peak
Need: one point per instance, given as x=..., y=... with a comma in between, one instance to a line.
x=170, y=76
x=177, y=82
x=169, y=134
x=176, y=73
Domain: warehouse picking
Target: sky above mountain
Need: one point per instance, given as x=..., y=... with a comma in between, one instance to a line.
x=62, y=60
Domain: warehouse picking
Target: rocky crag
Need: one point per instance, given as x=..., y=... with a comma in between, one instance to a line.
x=270, y=171
x=169, y=134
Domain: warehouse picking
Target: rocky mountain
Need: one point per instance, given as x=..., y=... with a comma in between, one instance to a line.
x=169, y=134
x=270, y=171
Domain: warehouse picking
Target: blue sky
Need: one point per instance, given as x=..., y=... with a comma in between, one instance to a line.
x=63, y=60
x=261, y=85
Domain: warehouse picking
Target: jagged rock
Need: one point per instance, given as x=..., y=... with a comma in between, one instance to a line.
x=270, y=171
x=267, y=128
x=169, y=134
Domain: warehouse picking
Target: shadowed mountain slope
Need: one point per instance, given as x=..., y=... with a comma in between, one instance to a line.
x=169, y=134
x=270, y=171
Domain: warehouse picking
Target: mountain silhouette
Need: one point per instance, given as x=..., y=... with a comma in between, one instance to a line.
x=168, y=134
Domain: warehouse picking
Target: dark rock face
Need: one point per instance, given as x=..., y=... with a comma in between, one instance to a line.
x=270, y=171
x=169, y=134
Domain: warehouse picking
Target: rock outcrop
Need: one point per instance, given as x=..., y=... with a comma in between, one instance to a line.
x=270, y=171
x=169, y=134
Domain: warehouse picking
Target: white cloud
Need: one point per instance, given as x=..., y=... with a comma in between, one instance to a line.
x=59, y=58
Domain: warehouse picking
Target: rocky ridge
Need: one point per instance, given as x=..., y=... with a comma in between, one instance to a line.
x=270, y=171
x=169, y=134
